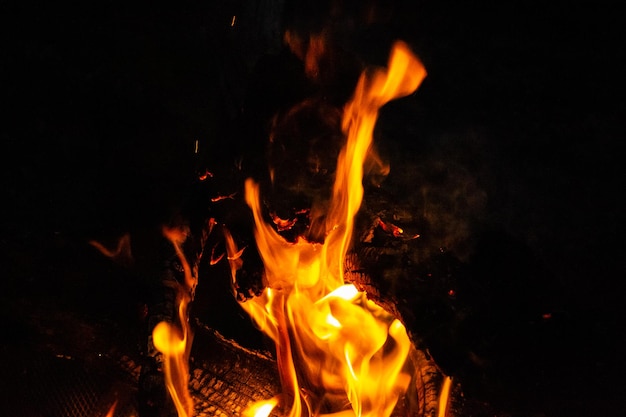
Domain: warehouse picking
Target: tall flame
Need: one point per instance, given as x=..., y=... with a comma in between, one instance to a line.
x=337, y=351
x=174, y=342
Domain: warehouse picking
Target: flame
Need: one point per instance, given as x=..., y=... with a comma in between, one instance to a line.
x=174, y=342
x=121, y=254
x=337, y=351
x=111, y=411
x=444, y=397
x=261, y=408
x=310, y=50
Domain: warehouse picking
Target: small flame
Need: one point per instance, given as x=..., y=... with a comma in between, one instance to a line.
x=337, y=351
x=175, y=342
x=111, y=411
x=261, y=408
x=121, y=254
x=310, y=50
x=444, y=397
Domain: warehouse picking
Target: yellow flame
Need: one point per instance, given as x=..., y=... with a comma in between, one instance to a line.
x=444, y=395
x=111, y=411
x=175, y=342
x=261, y=408
x=337, y=351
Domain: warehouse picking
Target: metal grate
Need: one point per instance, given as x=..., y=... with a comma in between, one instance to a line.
x=57, y=386
x=62, y=388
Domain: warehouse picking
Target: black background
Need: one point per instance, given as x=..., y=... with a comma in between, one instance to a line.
x=103, y=104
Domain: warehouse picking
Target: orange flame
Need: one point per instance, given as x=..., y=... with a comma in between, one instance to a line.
x=337, y=351
x=261, y=408
x=444, y=397
x=121, y=253
x=174, y=342
x=111, y=411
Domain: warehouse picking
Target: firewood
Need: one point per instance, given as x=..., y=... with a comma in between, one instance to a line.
x=363, y=268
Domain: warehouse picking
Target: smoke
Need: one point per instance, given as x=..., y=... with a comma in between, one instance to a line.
x=452, y=203
x=439, y=185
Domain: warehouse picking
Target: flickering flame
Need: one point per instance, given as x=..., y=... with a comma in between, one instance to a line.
x=111, y=411
x=309, y=50
x=261, y=408
x=175, y=342
x=444, y=397
x=337, y=352
x=121, y=253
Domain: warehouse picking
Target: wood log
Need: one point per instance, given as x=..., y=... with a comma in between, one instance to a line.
x=422, y=399
x=224, y=376
x=108, y=349
x=383, y=281
x=99, y=362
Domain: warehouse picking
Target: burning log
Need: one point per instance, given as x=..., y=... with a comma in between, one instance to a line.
x=336, y=350
x=226, y=376
x=327, y=332
x=94, y=364
x=98, y=363
x=383, y=264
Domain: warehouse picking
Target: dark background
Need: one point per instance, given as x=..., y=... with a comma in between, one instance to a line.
x=524, y=101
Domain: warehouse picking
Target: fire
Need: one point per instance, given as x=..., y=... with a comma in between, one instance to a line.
x=444, y=397
x=261, y=408
x=111, y=411
x=121, y=254
x=337, y=352
x=174, y=342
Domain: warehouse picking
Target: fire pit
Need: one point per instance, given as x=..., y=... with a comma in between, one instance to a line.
x=337, y=353
x=494, y=239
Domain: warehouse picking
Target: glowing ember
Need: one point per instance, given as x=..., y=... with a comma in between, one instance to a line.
x=337, y=352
